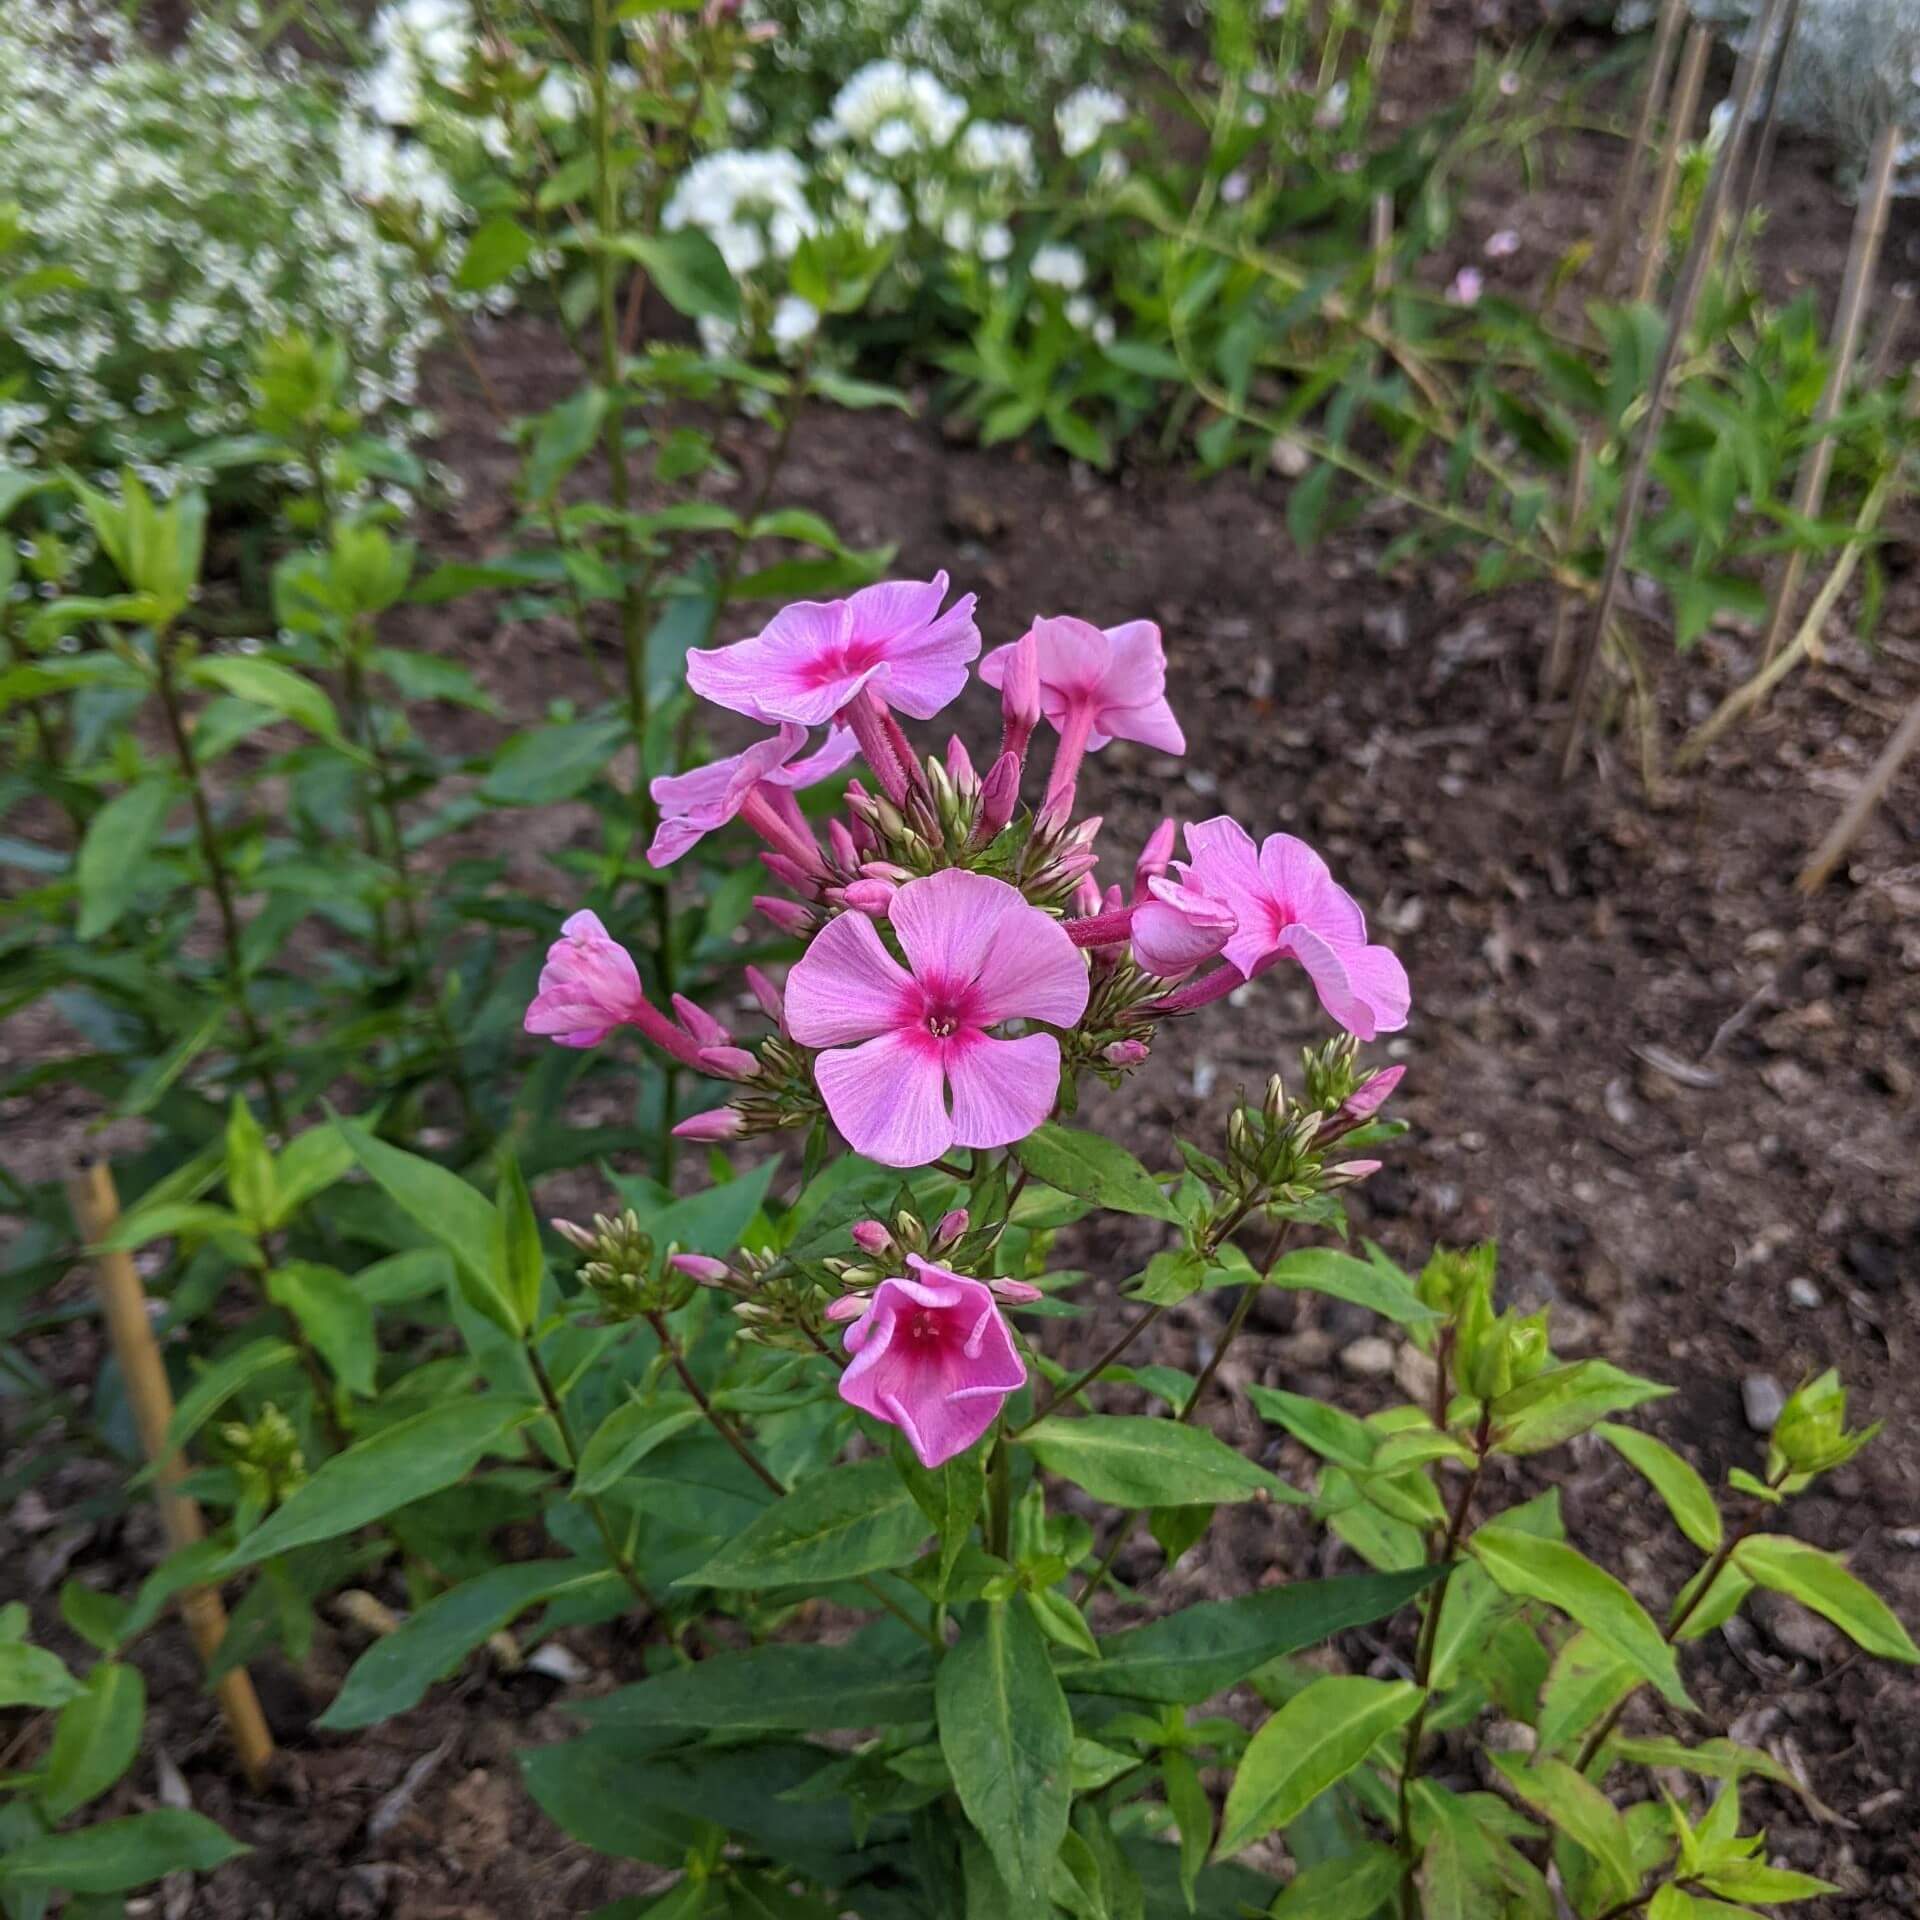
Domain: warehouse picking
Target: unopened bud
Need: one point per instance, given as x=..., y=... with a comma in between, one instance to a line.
x=1086, y=898
x=999, y=794
x=874, y=898
x=772, y=1004
x=788, y=915
x=960, y=768
x=871, y=1237
x=1368, y=1098
x=1811, y=1434
x=699, y=1266
x=952, y=1225
x=1020, y=695
x=1350, y=1172
x=788, y=872
x=575, y=1235
x=1155, y=859
x=1016, y=1293
x=846, y=856
x=700, y=1023
x=717, y=1123
x=730, y=1063
x=1274, y=1107
x=1126, y=1053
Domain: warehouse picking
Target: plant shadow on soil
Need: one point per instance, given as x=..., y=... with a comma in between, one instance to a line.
x=1684, y=1099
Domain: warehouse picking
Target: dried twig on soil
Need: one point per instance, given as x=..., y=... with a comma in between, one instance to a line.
x=1873, y=789
x=1810, y=489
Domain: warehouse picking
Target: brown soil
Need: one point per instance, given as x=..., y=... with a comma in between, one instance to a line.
x=1685, y=1099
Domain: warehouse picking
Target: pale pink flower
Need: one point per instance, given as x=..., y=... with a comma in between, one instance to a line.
x=813, y=658
x=911, y=1068
x=692, y=805
x=932, y=1356
x=589, y=985
x=1468, y=285
x=1096, y=685
x=1266, y=903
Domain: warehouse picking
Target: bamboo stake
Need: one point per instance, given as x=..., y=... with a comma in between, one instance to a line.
x=1810, y=489
x=1693, y=275
x=1553, y=668
x=1872, y=790
x=96, y=1210
x=1891, y=335
x=1659, y=70
x=1686, y=109
x=1769, y=125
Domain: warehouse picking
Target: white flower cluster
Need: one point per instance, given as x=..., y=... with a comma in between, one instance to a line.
x=149, y=281
x=417, y=41
x=893, y=109
x=753, y=206
x=1084, y=117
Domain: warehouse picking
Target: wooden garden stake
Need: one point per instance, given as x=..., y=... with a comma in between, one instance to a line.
x=1553, y=667
x=1686, y=108
x=1906, y=736
x=1810, y=489
x=1693, y=273
x=1659, y=70
x=1898, y=315
x=1770, y=121
x=96, y=1210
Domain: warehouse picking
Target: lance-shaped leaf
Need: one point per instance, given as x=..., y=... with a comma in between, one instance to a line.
x=1821, y=1582
x=1092, y=1168
x=1689, y=1499
x=1138, y=1461
x=837, y=1525
x=1580, y=1810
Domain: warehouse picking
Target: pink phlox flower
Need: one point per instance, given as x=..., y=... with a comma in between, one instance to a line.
x=1096, y=685
x=910, y=1068
x=814, y=657
x=692, y=805
x=1278, y=900
x=932, y=1356
x=588, y=986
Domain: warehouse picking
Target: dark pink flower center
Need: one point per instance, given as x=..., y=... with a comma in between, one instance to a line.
x=925, y=1327
x=845, y=661
x=945, y=1009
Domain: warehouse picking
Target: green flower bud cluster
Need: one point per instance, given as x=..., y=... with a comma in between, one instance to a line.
x=266, y=1456
x=620, y=1266
x=1811, y=1434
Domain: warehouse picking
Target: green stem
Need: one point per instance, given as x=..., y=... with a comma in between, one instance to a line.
x=616, y=1553
x=1000, y=1498
x=218, y=878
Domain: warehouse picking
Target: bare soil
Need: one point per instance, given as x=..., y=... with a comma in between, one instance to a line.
x=1685, y=1099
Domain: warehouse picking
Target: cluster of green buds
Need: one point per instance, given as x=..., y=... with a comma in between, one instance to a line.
x=621, y=1269
x=1811, y=1433
x=266, y=1458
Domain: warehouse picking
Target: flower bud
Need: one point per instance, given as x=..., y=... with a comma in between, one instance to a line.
x=700, y=1023
x=1020, y=696
x=730, y=1063
x=846, y=856
x=1126, y=1053
x=999, y=795
x=871, y=1237
x=788, y=872
x=874, y=898
x=699, y=1266
x=960, y=768
x=575, y=1235
x=1017, y=1293
x=952, y=1225
x=1366, y=1099
x=771, y=1002
x=717, y=1123
x=788, y=915
x=1349, y=1173
x=1811, y=1434
x=1155, y=859
x=1085, y=904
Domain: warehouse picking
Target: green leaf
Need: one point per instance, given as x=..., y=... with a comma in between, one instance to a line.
x=119, y=838
x=1007, y=1737
x=1580, y=1810
x=545, y=765
x=250, y=1180
x=793, y=1689
x=497, y=250
x=1191, y=1655
x=1138, y=1460
x=396, y=1671
x=1754, y=1880
x=1821, y=1582
x=1062, y=1622
x=334, y=1317
x=1192, y=1817
x=840, y=1523
x=33, y=1677
x=625, y=1438
x=114, y=1856
x=270, y=685
x=949, y=1495
x=1548, y=1570
x=401, y=1463
x=1362, y=1283
x=1587, y=1680
x=98, y=1618
x=308, y=1164
x=1550, y=1409
x=1351, y=1886
x=687, y=268
x=1317, y=1738
x=1688, y=1497
x=1091, y=1168
x=1328, y=1431
x=1458, y=1879
x=845, y=391
x=94, y=1740
x=460, y=1218
x=519, y=1265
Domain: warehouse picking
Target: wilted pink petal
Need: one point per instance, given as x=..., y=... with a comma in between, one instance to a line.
x=899, y=1039
x=717, y=1123
x=698, y=1266
x=932, y=1357
x=1277, y=900
x=814, y=657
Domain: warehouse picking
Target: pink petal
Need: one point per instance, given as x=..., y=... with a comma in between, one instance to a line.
x=1302, y=886
x=795, y=668
x=846, y=986
x=1326, y=968
x=837, y=750
x=1132, y=691
x=1153, y=725
x=1380, y=981
x=1031, y=970
x=1002, y=1089
x=927, y=671
x=1225, y=861
x=887, y=1097
x=1169, y=942
x=1075, y=656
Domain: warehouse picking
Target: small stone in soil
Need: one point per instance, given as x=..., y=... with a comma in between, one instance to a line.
x=1762, y=1398
x=1803, y=1293
x=1370, y=1358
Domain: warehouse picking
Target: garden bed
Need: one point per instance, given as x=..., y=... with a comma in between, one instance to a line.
x=1684, y=1098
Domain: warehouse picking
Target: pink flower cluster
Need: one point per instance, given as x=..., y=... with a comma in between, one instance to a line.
x=953, y=945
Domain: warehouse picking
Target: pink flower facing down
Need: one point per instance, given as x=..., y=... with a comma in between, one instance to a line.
x=1258, y=905
x=932, y=1356
x=1096, y=685
x=756, y=783
x=814, y=658
x=904, y=1042
x=590, y=985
